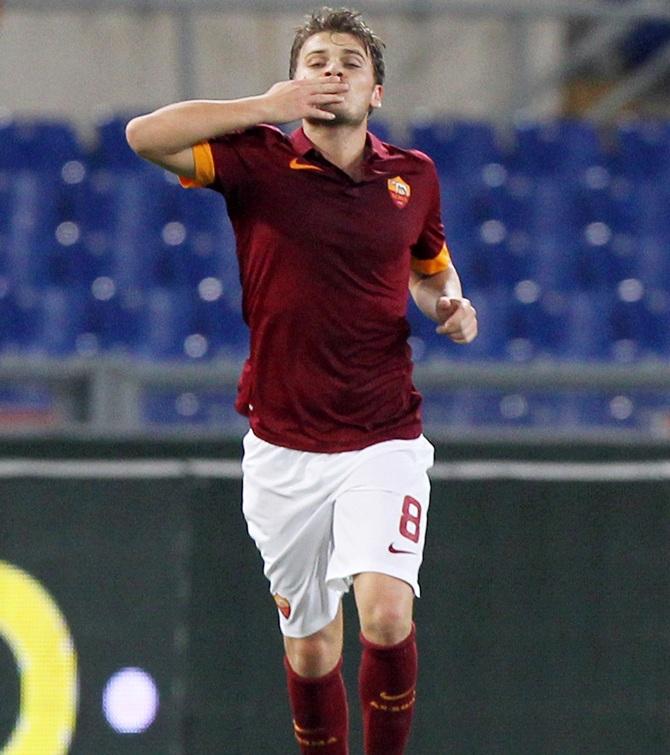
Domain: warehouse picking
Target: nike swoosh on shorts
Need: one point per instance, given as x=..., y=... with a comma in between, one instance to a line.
x=393, y=549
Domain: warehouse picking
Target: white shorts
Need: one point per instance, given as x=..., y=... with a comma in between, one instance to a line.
x=320, y=519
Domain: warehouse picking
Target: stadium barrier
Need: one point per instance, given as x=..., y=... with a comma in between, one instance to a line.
x=135, y=617
x=108, y=394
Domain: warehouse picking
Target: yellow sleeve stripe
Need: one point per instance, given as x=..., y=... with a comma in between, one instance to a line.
x=434, y=265
x=204, y=167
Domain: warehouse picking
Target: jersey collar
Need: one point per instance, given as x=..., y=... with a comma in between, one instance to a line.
x=374, y=147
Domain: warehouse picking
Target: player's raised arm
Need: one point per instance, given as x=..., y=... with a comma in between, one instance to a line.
x=440, y=297
x=166, y=136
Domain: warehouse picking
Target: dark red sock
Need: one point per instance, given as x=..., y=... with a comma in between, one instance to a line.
x=320, y=714
x=387, y=684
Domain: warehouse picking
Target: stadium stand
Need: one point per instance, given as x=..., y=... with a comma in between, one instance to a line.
x=560, y=236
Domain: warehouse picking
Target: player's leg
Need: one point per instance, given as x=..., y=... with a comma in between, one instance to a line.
x=379, y=528
x=317, y=654
x=316, y=689
x=290, y=519
x=385, y=605
x=388, y=669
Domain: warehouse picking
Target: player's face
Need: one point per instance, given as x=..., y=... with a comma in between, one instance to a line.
x=343, y=56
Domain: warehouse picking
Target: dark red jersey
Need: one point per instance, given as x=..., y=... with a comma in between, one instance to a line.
x=324, y=264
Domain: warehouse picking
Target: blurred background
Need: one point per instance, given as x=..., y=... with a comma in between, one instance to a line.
x=121, y=341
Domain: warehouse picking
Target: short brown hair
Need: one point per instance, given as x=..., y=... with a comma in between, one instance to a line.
x=341, y=21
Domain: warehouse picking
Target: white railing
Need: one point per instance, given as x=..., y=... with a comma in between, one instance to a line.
x=104, y=395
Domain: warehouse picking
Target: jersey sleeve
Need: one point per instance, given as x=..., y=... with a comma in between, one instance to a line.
x=204, y=167
x=217, y=164
x=430, y=254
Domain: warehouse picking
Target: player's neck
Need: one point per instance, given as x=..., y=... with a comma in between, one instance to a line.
x=343, y=146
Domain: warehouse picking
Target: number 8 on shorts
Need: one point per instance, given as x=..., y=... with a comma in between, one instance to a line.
x=410, y=521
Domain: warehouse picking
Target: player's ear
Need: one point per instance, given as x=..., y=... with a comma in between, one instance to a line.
x=377, y=96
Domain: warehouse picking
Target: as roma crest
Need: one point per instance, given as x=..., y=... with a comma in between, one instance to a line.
x=283, y=605
x=399, y=190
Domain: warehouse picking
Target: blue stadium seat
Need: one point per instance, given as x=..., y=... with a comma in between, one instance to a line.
x=496, y=408
x=451, y=409
x=536, y=322
x=221, y=324
x=38, y=145
x=643, y=150
x=553, y=209
x=556, y=410
x=201, y=210
x=504, y=197
x=638, y=208
x=614, y=411
x=30, y=234
x=475, y=146
x=639, y=225
x=201, y=238
x=93, y=200
x=436, y=140
x=60, y=320
x=202, y=408
x=42, y=243
x=112, y=150
x=558, y=147
x=48, y=145
x=652, y=261
x=598, y=267
x=17, y=317
x=639, y=322
x=560, y=411
x=5, y=201
x=165, y=321
x=205, y=217
x=459, y=148
x=11, y=155
x=114, y=316
x=553, y=263
x=500, y=409
x=513, y=221
x=457, y=213
x=170, y=261
x=119, y=225
x=161, y=407
x=495, y=258
x=650, y=205
x=177, y=323
x=586, y=334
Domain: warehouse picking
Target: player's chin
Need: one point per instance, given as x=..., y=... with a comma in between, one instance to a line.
x=342, y=117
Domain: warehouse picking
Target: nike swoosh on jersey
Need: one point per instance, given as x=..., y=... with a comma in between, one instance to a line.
x=295, y=164
x=393, y=549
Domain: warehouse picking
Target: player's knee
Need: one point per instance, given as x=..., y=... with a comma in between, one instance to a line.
x=312, y=656
x=386, y=623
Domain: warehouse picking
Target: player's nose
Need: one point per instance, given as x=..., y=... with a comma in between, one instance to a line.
x=334, y=69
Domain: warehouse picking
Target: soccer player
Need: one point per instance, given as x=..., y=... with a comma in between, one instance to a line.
x=331, y=226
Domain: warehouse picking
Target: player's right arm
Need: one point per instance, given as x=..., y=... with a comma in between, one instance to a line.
x=166, y=136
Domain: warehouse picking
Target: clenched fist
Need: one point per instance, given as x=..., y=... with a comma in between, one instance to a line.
x=457, y=319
